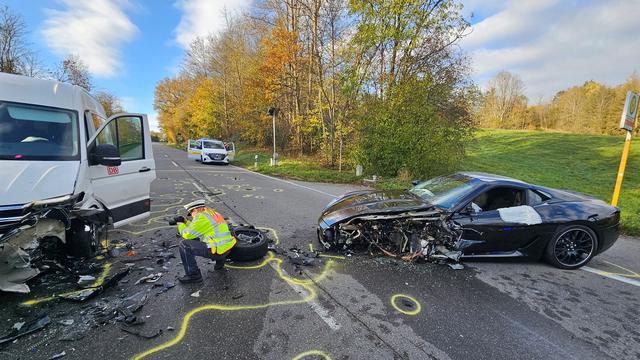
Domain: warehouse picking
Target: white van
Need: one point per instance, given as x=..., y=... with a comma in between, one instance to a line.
x=63, y=163
x=211, y=151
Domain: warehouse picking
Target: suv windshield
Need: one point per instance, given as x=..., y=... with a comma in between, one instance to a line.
x=212, y=145
x=446, y=191
x=30, y=132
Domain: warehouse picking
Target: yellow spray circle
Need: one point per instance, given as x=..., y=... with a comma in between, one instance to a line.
x=408, y=305
x=312, y=353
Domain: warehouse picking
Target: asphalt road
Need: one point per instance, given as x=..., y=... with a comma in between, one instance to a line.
x=341, y=309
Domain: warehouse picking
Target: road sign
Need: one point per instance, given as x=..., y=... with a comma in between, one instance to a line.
x=630, y=111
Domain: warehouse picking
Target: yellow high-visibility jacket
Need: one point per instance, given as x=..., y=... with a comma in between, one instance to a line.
x=211, y=228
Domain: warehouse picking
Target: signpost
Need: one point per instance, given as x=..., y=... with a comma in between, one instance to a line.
x=627, y=122
x=273, y=111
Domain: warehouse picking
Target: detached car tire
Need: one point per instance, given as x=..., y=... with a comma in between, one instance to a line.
x=571, y=247
x=251, y=244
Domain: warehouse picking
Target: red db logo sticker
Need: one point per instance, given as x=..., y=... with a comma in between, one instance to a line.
x=112, y=170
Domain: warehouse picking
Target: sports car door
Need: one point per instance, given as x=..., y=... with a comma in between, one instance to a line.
x=502, y=223
x=193, y=149
x=231, y=150
x=125, y=189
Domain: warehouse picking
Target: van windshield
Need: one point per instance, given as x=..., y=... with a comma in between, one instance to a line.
x=212, y=145
x=30, y=132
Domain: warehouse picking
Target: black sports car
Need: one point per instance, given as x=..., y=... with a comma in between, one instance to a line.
x=472, y=215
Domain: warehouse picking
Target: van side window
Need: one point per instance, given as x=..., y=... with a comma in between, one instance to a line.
x=130, y=138
x=125, y=133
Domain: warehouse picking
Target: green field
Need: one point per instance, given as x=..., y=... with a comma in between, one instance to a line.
x=584, y=163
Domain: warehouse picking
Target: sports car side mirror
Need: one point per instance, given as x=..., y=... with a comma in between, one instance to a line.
x=468, y=210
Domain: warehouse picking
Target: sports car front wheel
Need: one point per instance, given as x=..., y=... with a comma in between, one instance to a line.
x=571, y=247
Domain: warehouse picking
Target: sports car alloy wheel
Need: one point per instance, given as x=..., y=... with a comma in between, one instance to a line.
x=574, y=247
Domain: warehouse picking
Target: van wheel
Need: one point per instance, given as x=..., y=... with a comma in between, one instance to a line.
x=82, y=239
x=252, y=244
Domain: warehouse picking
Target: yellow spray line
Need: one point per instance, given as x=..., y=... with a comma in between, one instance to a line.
x=629, y=273
x=319, y=353
x=311, y=247
x=417, y=310
x=98, y=282
x=306, y=283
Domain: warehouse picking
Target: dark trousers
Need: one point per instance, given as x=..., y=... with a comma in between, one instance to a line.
x=189, y=249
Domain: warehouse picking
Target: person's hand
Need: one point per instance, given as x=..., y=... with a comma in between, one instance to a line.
x=176, y=219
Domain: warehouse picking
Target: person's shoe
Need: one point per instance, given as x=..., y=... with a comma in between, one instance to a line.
x=219, y=265
x=189, y=279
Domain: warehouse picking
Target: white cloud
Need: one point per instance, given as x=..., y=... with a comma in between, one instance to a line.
x=556, y=44
x=154, y=124
x=203, y=17
x=93, y=29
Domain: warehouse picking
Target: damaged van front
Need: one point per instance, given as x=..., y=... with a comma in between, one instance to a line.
x=67, y=172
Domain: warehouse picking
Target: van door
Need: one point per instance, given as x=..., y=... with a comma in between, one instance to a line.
x=231, y=150
x=125, y=189
x=194, y=149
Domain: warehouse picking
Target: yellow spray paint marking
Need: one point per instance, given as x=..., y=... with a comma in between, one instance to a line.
x=303, y=355
x=340, y=257
x=629, y=273
x=416, y=311
x=99, y=281
x=311, y=247
x=306, y=283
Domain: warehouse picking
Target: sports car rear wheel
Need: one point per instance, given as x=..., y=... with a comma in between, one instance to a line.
x=571, y=247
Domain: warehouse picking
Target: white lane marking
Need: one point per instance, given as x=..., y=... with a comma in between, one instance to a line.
x=289, y=182
x=174, y=163
x=315, y=306
x=612, y=276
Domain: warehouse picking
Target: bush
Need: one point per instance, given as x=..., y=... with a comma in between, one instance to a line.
x=419, y=126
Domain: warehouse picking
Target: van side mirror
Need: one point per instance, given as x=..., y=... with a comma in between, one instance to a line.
x=105, y=154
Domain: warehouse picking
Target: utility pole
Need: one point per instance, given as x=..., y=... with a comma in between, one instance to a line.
x=273, y=111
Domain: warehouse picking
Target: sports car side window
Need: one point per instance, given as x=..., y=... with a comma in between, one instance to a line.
x=499, y=198
x=536, y=198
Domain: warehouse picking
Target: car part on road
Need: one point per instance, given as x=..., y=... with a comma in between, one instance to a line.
x=252, y=244
x=26, y=329
x=88, y=293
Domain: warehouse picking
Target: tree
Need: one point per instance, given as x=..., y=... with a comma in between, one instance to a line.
x=504, y=97
x=111, y=103
x=73, y=71
x=13, y=47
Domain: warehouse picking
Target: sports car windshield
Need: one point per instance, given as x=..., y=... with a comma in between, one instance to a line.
x=30, y=132
x=446, y=191
x=212, y=145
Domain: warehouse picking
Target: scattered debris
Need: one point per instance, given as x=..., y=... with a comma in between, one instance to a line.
x=76, y=333
x=170, y=328
x=25, y=329
x=15, y=269
x=18, y=325
x=196, y=294
x=151, y=278
x=165, y=286
x=456, y=266
x=88, y=293
x=237, y=296
x=58, y=356
x=86, y=280
x=66, y=322
x=137, y=333
x=297, y=256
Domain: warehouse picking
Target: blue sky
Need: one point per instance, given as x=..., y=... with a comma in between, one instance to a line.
x=130, y=45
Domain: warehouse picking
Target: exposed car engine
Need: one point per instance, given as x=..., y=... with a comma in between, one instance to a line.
x=410, y=236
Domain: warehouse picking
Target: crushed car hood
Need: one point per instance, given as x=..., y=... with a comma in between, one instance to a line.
x=368, y=202
x=26, y=181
